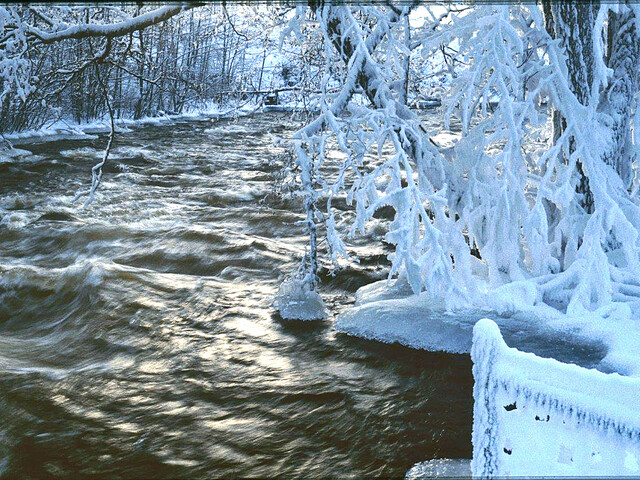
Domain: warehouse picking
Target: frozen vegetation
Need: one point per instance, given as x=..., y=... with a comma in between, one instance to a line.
x=533, y=215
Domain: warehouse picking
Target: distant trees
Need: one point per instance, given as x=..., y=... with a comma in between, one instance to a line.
x=153, y=59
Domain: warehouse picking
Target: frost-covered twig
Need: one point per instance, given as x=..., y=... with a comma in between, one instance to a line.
x=96, y=170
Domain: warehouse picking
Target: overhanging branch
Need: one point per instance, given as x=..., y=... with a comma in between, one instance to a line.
x=111, y=30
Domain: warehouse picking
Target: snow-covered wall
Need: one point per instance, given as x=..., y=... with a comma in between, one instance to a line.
x=538, y=416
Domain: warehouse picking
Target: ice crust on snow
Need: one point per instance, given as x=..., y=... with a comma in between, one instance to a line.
x=538, y=416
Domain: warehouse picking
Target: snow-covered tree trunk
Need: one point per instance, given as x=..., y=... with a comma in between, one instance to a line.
x=625, y=63
x=406, y=63
x=551, y=29
x=573, y=24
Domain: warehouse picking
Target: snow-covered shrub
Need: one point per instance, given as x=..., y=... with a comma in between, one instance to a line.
x=537, y=416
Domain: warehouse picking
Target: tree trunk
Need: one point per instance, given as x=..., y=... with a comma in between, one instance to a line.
x=573, y=24
x=406, y=62
x=624, y=61
x=558, y=125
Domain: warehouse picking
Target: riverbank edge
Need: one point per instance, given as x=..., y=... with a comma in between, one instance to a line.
x=69, y=130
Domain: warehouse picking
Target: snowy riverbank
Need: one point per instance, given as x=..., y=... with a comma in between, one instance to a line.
x=69, y=130
x=390, y=312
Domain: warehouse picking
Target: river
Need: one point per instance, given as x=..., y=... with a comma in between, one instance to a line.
x=137, y=338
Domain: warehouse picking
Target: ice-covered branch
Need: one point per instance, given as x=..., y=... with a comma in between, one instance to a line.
x=118, y=29
x=414, y=175
x=96, y=171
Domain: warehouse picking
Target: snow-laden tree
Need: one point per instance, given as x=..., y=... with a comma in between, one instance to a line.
x=549, y=216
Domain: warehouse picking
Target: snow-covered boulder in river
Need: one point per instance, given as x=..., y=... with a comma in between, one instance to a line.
x=297, y=301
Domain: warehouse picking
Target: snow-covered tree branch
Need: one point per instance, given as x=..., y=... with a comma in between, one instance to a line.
x=60, y=32
x=513, y=203
x=540, y=191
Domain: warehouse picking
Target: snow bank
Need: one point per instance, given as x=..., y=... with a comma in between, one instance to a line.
x=607, y=339
x=389, y=312
x=538, y=416
x=67, y=130
x=409, y=321
x=56, y=131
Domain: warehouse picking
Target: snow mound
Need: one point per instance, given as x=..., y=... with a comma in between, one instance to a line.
x=16, y=155
x=513, y=297
x=15, y=152
x=296, y=301
x=440, y=468
x=395, y=288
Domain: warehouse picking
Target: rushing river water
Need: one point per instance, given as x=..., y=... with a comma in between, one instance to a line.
x=137, y=338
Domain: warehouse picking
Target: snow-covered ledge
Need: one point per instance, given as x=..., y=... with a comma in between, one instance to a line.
x=538, y=416
x=389, y=311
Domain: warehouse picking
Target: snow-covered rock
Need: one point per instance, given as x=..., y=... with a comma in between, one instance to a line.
x=296, y=301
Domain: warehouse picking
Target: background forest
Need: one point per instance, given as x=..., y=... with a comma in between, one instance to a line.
x=211, y=54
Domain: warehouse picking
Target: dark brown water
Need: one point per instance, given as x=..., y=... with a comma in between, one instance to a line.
x=137, y=338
